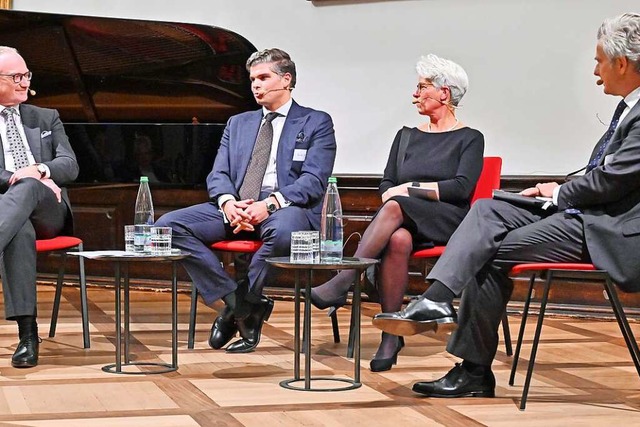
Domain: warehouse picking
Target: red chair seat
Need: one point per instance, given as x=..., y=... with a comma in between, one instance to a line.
x=57, y=243
x=436, y=251
x=541, y=266
x=245, y=246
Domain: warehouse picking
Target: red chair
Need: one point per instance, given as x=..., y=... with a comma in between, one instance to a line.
x=488, y=181
x=61, y=245
x=233, y=247
x=575, y=271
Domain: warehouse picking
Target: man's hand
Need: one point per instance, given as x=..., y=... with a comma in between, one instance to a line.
x=541, y=189
x=235, y=211
x=398, y=190
x=52, y=185
x=258, y=212
x=26, y=172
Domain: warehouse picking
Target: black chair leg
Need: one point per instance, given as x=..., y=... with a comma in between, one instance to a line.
x=351, y=334
x=507, y=334
x=523, y=324
x=58, y=295
x=623, y=323
x=84, y=304
x=536, y=340
x=333, y=314
x=192, y=317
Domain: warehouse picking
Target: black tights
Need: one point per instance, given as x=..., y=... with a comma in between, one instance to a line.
x=385, y=238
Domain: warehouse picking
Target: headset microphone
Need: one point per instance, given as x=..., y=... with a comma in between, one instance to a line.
x=599, y=82
x=32, y=92
x=419, y=100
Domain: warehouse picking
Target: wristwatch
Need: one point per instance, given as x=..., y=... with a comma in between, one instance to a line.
x=415, y=184
x=271, y=207
x=42, y=169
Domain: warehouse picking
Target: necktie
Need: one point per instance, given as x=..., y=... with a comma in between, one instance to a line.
x=16, y=146
x=252, y=182
x=607, y=136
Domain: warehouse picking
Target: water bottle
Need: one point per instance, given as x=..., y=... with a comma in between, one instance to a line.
x=143, y=219
x=331, y=224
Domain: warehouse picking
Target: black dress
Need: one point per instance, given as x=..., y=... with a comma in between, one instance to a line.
x=452, y=159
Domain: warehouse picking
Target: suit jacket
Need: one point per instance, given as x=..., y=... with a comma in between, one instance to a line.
x=609, y=197
x=306, y=133
x=49, y=145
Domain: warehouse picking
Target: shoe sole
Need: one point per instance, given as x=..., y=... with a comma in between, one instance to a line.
x=486, y=393
x=22, y=365
x=405, y=328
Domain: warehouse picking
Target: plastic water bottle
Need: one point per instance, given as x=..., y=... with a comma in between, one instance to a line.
x=331, y=225
x=144, y=217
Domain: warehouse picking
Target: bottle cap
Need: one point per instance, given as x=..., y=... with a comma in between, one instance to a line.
x=144, y=179
x=333, y=179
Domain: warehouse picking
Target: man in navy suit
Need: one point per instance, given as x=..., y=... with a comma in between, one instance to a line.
x=289, y=193
x=36, y=161
x=597, y=220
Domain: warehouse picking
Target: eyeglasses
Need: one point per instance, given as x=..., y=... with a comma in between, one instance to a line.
x=17, y=77
x=423, y=86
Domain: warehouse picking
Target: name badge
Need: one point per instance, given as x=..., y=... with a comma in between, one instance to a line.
x=299, y=155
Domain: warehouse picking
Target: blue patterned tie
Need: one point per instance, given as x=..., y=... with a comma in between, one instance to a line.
x=595, y=161
x=16, y=145
x=607, y=136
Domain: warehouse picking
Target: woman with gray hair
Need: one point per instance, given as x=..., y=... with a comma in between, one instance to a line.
x=441, y=161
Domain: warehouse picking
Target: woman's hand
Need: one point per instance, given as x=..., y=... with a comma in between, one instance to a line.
x=398, y=190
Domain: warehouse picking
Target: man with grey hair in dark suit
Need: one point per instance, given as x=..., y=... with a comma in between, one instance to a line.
x=36, y=161
x=597, y=220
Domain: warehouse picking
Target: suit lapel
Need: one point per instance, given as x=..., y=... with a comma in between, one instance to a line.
x=616, y=138
x=293, y=126
x=32, y=133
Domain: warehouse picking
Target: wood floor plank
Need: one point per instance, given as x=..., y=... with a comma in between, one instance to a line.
x=583, y=375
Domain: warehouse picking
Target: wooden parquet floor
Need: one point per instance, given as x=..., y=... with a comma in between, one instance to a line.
x=584, y=375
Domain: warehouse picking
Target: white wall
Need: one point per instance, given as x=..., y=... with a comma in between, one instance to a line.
x=530, y=64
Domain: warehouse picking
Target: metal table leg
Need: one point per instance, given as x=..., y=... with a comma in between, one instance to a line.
x=127, y=332
x=174, y=316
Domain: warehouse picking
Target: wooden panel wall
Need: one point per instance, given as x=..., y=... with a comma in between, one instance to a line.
x=100, y=212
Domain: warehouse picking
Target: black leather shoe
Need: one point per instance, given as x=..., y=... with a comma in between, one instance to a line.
x=223, y=330
x=26, y=355
x=459, y=383
x=250, y=328
x=420, y=315
x=380, y=365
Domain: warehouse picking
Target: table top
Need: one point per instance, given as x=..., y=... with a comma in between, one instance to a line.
x=346, y=263
x=122, y=256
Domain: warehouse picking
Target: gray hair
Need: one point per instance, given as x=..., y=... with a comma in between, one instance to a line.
x=7, y=49
x=443, y=72
x=620, y=36
x=281, y=60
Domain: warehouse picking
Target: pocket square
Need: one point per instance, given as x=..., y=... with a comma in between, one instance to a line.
x=45, y=133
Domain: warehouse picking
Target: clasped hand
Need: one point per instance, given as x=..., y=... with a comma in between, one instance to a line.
x=32, y=172
x=244, y=214
x=398, y=190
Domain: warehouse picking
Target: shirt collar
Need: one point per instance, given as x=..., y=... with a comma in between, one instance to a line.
x=632, y=99
x=283, y=110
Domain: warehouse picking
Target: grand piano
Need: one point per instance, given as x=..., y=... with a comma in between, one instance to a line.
x=136, y=98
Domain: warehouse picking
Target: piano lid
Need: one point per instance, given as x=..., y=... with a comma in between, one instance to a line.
x=123, y=70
